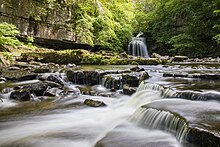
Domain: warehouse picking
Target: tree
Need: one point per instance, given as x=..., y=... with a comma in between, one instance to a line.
x=180, y=26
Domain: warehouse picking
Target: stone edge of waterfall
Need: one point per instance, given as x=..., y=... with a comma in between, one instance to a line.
x=186, y=134
x=171, y=93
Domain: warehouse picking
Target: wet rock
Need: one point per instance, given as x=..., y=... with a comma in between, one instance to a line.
x=137, y=69
x=38, y=89
x=191, y=95
x=24, y=65
x=56, y=79
x=85, y=90
x=146, y=61
x=175, y=75
x=53, y=92
x=41, y=70
x=113, y=81
x=35, y=63
x=21, y=95
x=84, y=77
x=164, y=59
x=127, y=90
x=52, y=84
x=179, y=58
x=135, y=78
x=23, y=78
x=198, y=76
x=207, y=76
x=143, y=76
x=131, y=79
x=116, y=81
x=27, y=77
x=94, y=103
x=71, y=90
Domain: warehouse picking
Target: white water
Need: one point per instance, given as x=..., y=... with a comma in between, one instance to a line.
x=84, y=127
x=137, y=47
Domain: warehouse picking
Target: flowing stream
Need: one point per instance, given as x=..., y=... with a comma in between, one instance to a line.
x=122, y=123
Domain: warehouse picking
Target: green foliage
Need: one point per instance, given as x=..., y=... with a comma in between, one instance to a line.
x=103, y=23
x=8, y=34
x=182, y=27
x=217, y=38
x=182, y=43
x=217, y=26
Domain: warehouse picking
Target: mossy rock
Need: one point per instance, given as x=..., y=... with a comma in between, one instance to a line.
x=94, y=103
x=59, y=57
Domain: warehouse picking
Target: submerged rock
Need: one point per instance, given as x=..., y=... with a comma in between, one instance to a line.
x=94, y=103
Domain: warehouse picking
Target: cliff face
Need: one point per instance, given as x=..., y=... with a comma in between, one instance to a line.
x=38, y=18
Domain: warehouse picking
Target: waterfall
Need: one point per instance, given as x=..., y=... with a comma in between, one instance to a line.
x=138, y=47
x=157, y=119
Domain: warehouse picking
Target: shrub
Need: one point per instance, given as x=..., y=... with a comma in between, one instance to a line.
x=8, y=34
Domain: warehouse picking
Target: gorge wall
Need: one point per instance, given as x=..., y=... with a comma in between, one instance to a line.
x=39, y=18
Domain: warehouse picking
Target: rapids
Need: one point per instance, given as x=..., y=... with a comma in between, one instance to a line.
x=65, y=121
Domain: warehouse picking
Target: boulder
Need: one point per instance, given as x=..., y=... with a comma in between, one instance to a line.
x=38, y=88
x=113, y=81
x=137, y=69
x=127, y=90
x=21, y=95
x=56, y=79
x=94, y=103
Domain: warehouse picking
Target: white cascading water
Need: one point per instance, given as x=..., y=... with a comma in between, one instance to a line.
x=85, y=126
x=138, y=47
x=157, y=119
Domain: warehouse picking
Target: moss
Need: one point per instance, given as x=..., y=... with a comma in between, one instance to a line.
x=95, y=59
x=59, y=57
x=134, y=63
x=81, y=56
x=148, y=61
